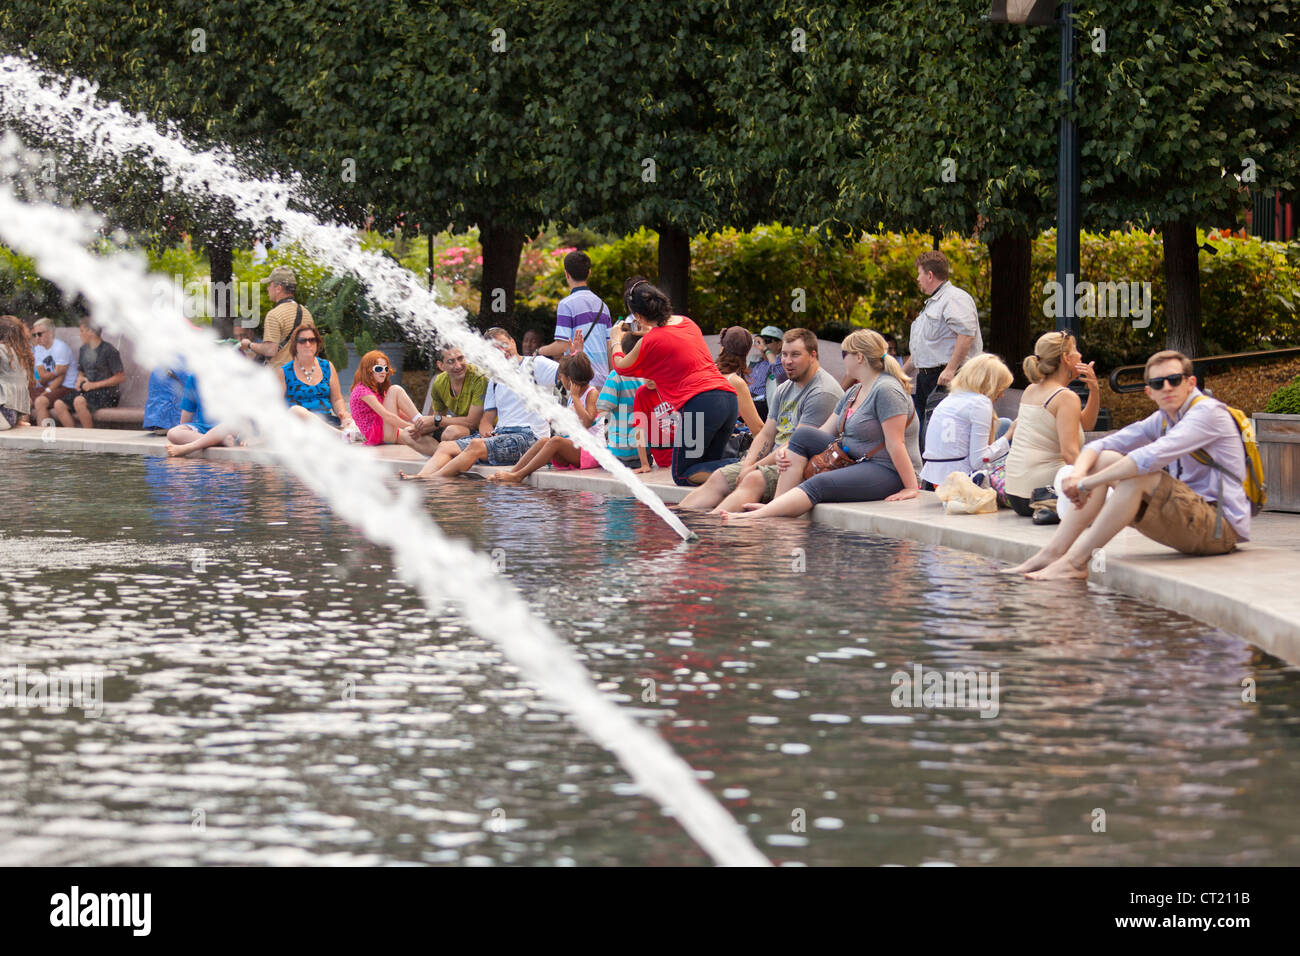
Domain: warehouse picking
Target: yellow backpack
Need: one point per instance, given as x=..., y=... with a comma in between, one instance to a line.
x=1253, y=482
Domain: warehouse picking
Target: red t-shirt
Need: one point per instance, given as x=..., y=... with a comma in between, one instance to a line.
x=659, y=420
x=676, y=359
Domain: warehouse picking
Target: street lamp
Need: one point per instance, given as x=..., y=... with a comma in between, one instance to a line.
x=1040, y=13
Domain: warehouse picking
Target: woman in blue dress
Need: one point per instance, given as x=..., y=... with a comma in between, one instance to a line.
x=311, y=383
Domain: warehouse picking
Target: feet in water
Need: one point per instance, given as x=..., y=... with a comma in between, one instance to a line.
x=1060, y=570
x=176, y=451
x=1036, y=563
x=504, y=477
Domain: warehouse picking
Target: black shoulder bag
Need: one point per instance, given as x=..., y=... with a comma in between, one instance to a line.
x=297, y=321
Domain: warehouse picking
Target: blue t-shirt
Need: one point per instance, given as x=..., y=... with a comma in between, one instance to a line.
x=190, y=403
x=577, y=312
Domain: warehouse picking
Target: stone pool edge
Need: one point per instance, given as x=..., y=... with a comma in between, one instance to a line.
x=1252, y=593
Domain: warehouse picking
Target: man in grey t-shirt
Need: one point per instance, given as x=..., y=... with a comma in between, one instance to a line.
x=807, y=397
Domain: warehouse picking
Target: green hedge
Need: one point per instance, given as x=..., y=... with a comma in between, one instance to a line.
x=1249, y=289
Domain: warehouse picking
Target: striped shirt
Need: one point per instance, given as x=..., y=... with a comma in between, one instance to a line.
x=577, y=312
x=617, y=398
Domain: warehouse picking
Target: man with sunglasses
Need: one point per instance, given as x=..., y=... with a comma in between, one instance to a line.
x=55, y=368
x=1156, y=485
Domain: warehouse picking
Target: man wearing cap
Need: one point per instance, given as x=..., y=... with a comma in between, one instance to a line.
x=945, y=334
x=767, y=368
x=282, y=321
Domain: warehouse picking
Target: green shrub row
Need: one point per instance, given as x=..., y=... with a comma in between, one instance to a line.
x=776, y=275
x=1249, y=289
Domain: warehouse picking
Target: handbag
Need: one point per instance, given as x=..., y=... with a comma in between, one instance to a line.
x=834, y=456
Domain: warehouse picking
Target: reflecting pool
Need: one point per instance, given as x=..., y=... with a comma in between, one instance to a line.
x=272, y=692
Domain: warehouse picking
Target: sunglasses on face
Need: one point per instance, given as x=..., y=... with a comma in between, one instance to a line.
x=380, y=369
x=1158, y=384
x=310, y=338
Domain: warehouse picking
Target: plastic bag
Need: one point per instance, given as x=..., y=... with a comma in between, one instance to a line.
x=961, y=496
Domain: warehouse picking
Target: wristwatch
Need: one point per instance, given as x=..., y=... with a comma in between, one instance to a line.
x=437, y=420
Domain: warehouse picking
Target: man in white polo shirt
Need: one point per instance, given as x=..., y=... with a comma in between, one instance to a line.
x=945, y=334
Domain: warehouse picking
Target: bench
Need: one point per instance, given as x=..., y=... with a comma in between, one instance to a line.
x=129, y=412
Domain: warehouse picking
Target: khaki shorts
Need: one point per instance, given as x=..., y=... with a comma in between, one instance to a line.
x=1176, y=516
x=770, y=474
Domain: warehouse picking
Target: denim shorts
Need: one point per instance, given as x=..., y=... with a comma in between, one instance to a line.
x=506, y=446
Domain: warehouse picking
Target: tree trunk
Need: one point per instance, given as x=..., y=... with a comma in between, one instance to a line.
x=1010, y=325
x=675, y=266
x=502, y=246
x=221, y=261
x=1182, y=288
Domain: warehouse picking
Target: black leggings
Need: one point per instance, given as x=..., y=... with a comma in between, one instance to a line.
x=712, y=416
x=866, y=481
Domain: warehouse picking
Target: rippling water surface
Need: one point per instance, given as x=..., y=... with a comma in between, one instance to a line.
x=274, y=693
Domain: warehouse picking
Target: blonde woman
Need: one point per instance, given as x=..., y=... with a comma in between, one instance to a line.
x=875, y=423
x=964, y=426
x=1050, y=424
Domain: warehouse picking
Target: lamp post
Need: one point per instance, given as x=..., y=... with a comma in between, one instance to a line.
x=1040, y=13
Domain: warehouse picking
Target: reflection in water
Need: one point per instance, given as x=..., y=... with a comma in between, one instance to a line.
x=291, y=695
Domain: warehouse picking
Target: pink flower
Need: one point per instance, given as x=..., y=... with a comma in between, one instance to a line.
x=478, y=260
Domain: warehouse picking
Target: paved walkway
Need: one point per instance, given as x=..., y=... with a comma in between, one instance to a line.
x=1254, y=592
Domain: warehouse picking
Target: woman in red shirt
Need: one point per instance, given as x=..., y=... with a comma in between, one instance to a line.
x=672, y=353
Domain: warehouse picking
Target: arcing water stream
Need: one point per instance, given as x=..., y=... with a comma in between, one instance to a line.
x=70, y=111
x=119, y=292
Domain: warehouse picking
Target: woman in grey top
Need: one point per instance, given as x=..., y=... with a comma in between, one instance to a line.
x=875, y=422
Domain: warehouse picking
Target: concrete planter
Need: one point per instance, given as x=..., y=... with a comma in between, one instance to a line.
x=396, y=352
x=1279, y=450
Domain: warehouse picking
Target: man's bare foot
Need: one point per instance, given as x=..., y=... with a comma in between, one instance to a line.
x=730, y=516
x=1060, y=570
x=508, y=477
